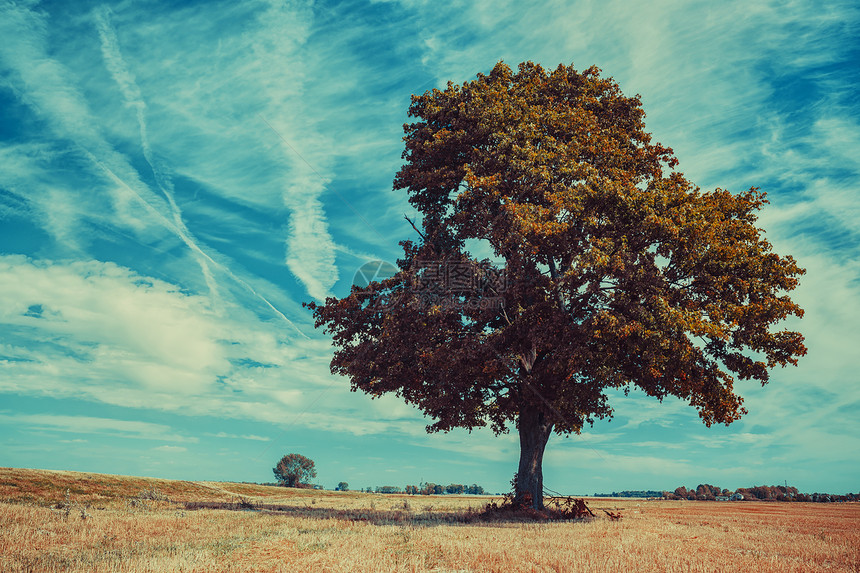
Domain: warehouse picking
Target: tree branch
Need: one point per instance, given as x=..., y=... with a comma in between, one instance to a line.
x=414, y=227
x=553, y=273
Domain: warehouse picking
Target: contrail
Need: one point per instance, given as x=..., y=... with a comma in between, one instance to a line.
x=169, y=225
x=131, y=93
x=118, y=69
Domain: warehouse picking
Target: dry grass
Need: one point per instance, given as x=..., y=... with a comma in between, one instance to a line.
x=334, y=531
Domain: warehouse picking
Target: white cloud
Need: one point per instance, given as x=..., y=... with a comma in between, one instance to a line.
x=170, y=449
x=121, y=322
x=92, y=425
x=242, y=437
x=104, y=333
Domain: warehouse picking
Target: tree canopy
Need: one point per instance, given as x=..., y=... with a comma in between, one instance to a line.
x=604, y=269
x=294, y=470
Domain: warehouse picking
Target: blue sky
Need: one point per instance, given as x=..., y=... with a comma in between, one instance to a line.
x=177, y=178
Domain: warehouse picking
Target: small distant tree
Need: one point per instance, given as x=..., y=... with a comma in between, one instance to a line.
x=343, y=486
x=294, y=470
x=388, y=489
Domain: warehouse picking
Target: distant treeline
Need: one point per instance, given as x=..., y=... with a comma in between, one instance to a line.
x=637, y=493
x=756, y=493
x=429, y=489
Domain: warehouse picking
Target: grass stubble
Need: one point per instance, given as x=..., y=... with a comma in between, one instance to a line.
x=124, y=524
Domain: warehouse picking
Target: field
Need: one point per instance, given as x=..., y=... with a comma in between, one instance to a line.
x=114, y=523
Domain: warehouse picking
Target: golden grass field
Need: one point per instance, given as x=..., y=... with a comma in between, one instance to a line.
x=306, y=530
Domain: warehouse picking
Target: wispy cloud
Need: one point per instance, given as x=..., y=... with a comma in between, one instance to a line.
x=170, y=449
x=242, y=437
x=133, y=98
x=92, y=425
x=215, y=136
x=52, y=94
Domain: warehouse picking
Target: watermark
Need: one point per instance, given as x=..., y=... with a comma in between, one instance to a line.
x=373, y=271
x=458, y=285
x=459, y=277
x=427, y=301
x=446, y=285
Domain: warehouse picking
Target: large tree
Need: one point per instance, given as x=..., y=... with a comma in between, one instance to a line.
x=609, y=269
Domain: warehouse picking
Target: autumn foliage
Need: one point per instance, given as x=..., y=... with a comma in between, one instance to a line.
x=608, y=269
x=705, y=492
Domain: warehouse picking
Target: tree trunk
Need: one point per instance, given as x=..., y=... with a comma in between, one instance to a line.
x=534, y=431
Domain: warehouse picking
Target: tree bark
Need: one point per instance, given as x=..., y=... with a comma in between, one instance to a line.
x=534, y=431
